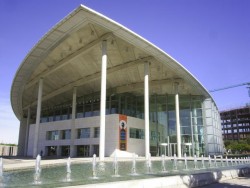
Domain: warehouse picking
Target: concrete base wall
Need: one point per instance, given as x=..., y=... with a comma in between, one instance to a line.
x=179, y=181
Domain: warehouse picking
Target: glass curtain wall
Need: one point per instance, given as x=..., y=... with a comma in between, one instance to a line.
x=197, y=126
x=185, y=122
x=162, y=118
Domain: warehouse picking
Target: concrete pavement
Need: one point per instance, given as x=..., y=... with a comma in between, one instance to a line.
x=239, y=182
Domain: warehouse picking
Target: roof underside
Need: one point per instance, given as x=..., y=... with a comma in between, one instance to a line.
x=70, y=55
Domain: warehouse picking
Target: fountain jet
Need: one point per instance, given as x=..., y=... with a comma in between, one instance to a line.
x=202, y=161
x=68, y=170
x=149, y=164
x=115, y=166
x=175, y=162
x=1, y=167
x=163, y=168
x=37, y=170
x=195, y=162
x=94, y=166
x=134, y=164
x=185, y=161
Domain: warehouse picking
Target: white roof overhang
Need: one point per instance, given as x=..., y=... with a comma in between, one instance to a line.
x=70, y=54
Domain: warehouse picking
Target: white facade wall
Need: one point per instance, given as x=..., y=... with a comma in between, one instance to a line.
x=111, y=134
x=136, y=145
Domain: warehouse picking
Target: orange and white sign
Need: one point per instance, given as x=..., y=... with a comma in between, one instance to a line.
x=123, y=132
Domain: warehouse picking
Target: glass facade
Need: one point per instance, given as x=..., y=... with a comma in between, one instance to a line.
x=162, y=118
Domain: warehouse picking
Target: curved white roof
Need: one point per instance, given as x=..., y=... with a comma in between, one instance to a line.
x=70, y=55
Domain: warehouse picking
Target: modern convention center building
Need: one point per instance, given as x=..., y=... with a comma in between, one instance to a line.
x=92, y=86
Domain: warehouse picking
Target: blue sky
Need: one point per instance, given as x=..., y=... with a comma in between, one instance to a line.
x=211, y=38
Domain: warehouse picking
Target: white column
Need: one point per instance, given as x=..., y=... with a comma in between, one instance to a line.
x=146, y=108
x=103, y=101
x=196, y=139
x=178, y=126
x=38, y=114
x=73, y=118
x=27, y=133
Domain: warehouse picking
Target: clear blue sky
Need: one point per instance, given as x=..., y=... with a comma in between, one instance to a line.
x=211, y=38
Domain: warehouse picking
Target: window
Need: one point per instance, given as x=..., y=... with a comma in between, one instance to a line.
x=96, y=132
x=51, y=118
x=65, y=117
x=83, y=150
x=79, y=115
x=58, y=118
x=65, y=151
x=66, y=134
x=154, y=135
x=52, y=135
x=136, y=133
x=51, y=150
x=44, y=120
x=96, y=150
x=83, y=133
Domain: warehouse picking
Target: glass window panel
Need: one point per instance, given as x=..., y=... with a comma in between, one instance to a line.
x=186, y=138
x=199, y=121
x=184, y=98
x=132, y=133
x=186, y=130
x=88, y=112
x=96, y=132
x=64, y=117
x=114, y=107
x=52, y=135
x=136, y=133
x=79, y=115
x=96, y=109
x=51, y=118
x=44, y=119
x=83, y=150
x=154, y=136
x=66, y=134
x=196, y=104
x=185, y=121
x=58, y=118
x=83, y=133
x=199, y=112
x=65, y=151
x=185, y=113
x=185, y=105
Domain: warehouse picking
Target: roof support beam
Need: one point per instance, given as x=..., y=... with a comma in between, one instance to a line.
x=68, y=59
x=140, y=85
x=92, y=77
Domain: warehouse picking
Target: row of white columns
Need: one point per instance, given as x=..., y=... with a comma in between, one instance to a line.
x=103, y=111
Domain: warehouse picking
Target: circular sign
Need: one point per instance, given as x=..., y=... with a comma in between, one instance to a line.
x=123, y=124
